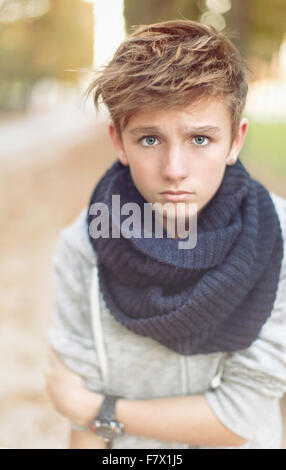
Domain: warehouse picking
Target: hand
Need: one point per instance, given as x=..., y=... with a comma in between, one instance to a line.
x=68, y=393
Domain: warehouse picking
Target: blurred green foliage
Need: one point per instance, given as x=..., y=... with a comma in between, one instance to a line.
x=265, y=146
x=44, y=47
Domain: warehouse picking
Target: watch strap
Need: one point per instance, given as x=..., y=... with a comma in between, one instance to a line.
x=107, y=410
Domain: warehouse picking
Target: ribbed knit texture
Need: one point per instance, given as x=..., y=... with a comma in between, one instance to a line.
x=214, y=297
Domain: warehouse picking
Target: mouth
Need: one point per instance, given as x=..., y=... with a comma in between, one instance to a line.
x=176, y=192
x=176, y=195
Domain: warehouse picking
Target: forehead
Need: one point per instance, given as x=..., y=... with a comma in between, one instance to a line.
x=204, y=113
x=206, y=109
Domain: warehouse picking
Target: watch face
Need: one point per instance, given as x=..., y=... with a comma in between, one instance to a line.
x=108, y=430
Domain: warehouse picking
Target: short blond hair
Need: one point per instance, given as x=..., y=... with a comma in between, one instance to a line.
x=169, y=64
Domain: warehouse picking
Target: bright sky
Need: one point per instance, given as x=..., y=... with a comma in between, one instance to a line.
x=109, y=29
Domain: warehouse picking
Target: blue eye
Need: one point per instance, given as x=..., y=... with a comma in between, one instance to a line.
x=149, y=141
x=201, y=140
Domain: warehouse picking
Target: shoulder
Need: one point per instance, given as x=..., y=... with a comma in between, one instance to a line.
x=262, y=366
x=74, y=239
x=280, y=206
x=269, y=349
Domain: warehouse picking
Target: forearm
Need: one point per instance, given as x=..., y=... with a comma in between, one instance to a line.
x=179, y=419
x=187, y=419
x=85, y=440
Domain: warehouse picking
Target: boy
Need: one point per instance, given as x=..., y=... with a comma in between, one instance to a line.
x=176, y=347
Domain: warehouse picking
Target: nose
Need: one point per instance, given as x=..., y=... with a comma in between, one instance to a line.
x=174, y=167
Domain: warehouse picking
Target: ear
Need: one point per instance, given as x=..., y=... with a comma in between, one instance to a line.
x=238, y=142
x=117, y=144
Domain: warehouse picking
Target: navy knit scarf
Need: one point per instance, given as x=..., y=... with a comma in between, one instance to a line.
x=214, y=297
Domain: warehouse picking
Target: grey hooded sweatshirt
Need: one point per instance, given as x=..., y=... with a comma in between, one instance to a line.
x=242, y=388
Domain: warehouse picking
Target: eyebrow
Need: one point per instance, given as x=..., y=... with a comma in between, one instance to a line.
x=208, y=129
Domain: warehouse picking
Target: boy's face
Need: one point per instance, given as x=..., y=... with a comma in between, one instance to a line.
x=179, y=149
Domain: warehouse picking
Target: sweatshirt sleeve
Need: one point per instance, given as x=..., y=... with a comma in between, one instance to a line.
x=253, y=380
x=70, y=333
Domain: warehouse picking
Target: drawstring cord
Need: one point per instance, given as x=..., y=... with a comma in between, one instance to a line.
x=97, y=329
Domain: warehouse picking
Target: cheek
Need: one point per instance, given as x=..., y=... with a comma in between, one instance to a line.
x=211, y=175
x=141, y=178
x=214, y=181
x=139, y=172
x=142, y=169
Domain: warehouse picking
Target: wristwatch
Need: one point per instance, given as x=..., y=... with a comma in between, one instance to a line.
x=105, y=425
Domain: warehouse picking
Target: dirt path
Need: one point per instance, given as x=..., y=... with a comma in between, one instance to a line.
x=35, y=203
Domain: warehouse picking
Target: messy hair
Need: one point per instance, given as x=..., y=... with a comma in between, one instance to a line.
x=169, y=64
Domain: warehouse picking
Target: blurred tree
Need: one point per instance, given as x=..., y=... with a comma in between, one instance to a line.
x=150, y=11
x=35, y=47
x=267, y=26
x=258, y=25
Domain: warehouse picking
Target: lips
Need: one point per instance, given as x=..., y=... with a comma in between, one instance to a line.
x=176, y=192
x=176, y=195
